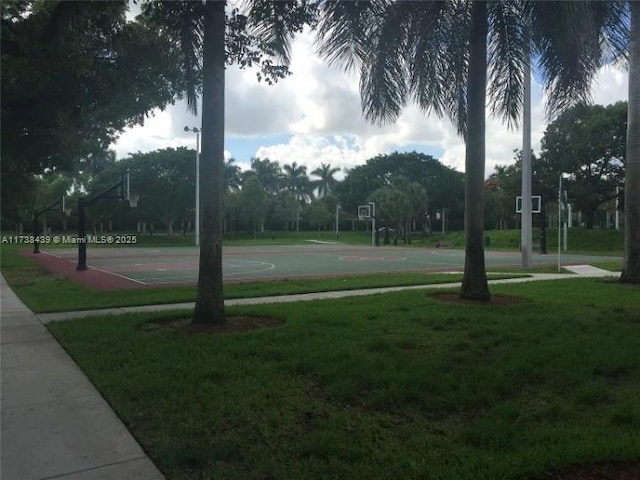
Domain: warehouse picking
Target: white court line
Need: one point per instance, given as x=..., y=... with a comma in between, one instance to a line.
x=97, y=268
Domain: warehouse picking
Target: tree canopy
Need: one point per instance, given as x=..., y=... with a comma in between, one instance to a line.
x=589, y=143
x=74, y=75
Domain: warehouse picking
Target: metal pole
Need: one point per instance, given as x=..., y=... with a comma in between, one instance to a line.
x=82, y=234
x=559, y=217
x=526, y=235
x=36, y=243
x=617, y=208
x=337, y=224
x=373, y=224
x=197, y=188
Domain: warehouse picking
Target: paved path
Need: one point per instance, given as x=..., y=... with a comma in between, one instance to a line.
x=54, y=422
x=52, y=317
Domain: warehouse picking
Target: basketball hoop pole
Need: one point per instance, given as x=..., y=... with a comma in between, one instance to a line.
x=373, y=223
x=119, y=190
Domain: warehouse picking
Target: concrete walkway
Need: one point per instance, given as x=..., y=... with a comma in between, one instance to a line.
x=54, y=422
x=53, y=317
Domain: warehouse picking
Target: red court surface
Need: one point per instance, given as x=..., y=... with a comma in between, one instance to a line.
x=136, y=267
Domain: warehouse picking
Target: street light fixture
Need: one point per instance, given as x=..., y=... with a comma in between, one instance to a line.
x=197, y=132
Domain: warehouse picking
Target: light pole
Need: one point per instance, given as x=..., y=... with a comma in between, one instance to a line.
x=337, y=223
x=525, y=235
x=197, y=132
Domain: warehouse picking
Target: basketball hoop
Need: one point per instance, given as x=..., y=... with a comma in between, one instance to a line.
x=67, y=212
x=364, y=212
x=133, y=200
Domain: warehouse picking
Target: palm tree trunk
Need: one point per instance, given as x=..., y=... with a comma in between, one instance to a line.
x=209, y=306
x=474, y=281
x=631, y=265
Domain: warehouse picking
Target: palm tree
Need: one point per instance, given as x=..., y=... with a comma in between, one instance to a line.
x=295, y=179
x=268, y=172
x=631, y=265
x=209, y=305
x=325, y=173
x=232, y=175
x=221, y=38
x=447, y=56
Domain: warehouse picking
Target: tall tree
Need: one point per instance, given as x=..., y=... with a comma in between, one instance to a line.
x=631, y=265
x=446, y=56
x=295, y=180
x=165, y=181
x=269, y=173
x=326, y=181
x=253, y=206
x=589, y=142
x=74, y=75
x=232, y=175
x=209, y=38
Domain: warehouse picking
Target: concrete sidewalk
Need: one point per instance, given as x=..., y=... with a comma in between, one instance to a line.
x=305, y=297
x=55, y=424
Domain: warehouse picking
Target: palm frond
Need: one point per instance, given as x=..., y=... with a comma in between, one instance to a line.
x=384, y=72
x=612, y=18
x=276, y=23
x=183, y=22
x=344, y=30
x=568, y=46
x=508, y=52
x=428, y=38
x=456, y=72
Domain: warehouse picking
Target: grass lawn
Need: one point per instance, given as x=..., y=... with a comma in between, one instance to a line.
x=43, y=291
x=392, y=386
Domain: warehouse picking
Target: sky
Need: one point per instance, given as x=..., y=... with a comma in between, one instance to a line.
x=314, y=116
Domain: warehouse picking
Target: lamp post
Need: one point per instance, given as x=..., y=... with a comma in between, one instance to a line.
x=526, y=232
x=197, y=132
x=337, y=223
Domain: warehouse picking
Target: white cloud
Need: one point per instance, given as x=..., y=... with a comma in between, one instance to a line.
x=318, y=109
x=610, y=86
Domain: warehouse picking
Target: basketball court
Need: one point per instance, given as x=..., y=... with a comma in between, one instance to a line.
x=148, y=266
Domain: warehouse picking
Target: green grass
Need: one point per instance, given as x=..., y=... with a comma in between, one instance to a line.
x=44, y=291
x=580, y=240
x=611, y=266
x=389, y=386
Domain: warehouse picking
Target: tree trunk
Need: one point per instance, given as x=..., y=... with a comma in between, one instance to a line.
x=631, y=264
x=590, y=218
x=474, y=281
x=209, y=306
x=543, y=230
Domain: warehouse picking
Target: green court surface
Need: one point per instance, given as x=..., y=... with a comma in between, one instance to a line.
x=179, y=265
